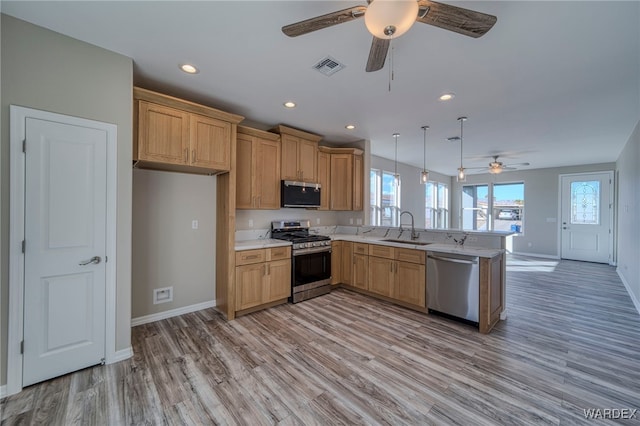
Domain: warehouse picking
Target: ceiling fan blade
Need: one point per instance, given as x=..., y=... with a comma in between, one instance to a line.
x=457, y=19
x=377, y=54
x=324, y=21
x=517, y=164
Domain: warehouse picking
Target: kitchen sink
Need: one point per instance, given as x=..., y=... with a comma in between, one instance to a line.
x=414, y=243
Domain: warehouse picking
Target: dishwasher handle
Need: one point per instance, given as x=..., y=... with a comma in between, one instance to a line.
x=454, y=260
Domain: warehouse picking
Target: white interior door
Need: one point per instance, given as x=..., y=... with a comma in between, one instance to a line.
x=65, y=235
x=586, y=212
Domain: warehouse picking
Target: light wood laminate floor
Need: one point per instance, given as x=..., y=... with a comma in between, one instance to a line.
x=571, y=342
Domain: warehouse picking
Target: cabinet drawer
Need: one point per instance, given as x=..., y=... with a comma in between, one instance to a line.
x=278, y=253
x=409, y=255
x=360, y=248
x=247, y=257
x=381, y=251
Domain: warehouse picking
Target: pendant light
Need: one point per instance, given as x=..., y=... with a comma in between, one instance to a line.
x=396, y=176
x=461, y=175
x=424, y=174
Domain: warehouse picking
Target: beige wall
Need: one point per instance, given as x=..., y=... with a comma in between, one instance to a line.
x=540, y=236
x=48, y=71
x=628, y=175
x=167, y=252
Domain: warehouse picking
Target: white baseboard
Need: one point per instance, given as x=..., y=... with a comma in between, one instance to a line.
x=634, y=299
x=121, y=355
x=3, y=391
x=172, y=313
x=544, y=256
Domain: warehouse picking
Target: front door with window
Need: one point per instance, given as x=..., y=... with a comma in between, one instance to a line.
x=586, y=215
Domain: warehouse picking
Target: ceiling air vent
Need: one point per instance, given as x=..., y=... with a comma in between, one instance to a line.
x=328, y=66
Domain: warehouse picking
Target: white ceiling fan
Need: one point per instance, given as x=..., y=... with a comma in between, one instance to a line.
x=496, y=167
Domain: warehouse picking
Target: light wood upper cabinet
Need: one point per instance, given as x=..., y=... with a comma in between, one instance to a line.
x=324, y=171
x=299, y=154
x=210, y=141
x=341, y=193
x=163, y=134
x=343, y=184
x=177, y=135
x=258, y=169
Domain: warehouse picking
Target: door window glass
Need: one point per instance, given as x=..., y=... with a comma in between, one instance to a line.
x=585, y=198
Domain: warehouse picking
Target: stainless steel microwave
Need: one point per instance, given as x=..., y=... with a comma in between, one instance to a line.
x=299, y=194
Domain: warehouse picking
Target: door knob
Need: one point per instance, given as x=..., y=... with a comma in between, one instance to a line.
x=94, y=259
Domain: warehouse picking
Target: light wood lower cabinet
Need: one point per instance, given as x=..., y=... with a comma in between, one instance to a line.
x=360, y=272
x=263, y=276
x=347, y=262
x=398, y=273
x=336, y=262
x=491, y=291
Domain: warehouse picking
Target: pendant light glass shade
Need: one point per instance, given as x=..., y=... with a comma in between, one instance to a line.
x=424, y=174
x=461, y=175
x=390, y=18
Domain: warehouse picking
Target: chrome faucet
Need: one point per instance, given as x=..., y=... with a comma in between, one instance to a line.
x=414, y=235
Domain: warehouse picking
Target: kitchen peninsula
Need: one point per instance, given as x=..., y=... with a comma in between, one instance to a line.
x=385, y=263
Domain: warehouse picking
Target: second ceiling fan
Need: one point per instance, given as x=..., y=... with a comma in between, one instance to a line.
x=497, y=167
x=388, y=19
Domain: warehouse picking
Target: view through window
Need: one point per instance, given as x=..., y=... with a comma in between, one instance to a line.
x=385, y=198
x=436, y=205
x=493, y=207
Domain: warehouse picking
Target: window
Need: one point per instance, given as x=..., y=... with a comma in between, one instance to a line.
x=585, y=197
x=436, y=205
x=385, y=198
x=493, y=207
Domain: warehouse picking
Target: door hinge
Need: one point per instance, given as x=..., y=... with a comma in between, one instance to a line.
x=22, y=347
x=24, y=145
x=106, y=259
x=24, y=246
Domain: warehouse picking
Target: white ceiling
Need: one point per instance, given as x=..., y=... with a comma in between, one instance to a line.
x=553, y=83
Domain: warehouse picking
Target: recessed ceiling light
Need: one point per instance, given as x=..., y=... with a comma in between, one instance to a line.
x=290, y=104
x=188, y=68
x=447, y=96
x=349, y=127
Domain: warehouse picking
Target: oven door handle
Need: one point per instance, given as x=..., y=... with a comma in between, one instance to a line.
x=311, y=250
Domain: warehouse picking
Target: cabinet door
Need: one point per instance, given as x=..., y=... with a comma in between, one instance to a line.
x=336, y=262
x=245, y=171
x=210, y=143
x=360, y=271
x=381, y=275
x=267, y=174
x=342, y=178
x=279, y=280
x=308, y=160
x=289, y=158
x=163, y=134
x=410, y=284
x=324, y=167
x=347, y=262
x=250, y=283
x=358, y=185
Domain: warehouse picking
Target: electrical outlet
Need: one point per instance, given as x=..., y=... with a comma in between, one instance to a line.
x=317, y=221
x=472, y=238
x=359, y=221
x=194, y=224
x=162, y=295
x=250, y=223
x=351, y=221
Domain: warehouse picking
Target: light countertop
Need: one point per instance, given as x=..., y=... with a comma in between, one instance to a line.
x=437, y=247
x=260, y=244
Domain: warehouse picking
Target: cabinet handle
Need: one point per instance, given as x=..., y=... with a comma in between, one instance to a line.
x=253, y=256
x=259, y=200
x=193, y=156
x=268, y=269
x=186, y=155
x=264, y=269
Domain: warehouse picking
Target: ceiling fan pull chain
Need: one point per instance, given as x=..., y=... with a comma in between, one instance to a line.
x=390, y=63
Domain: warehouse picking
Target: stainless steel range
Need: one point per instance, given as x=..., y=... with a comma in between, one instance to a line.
x=311, y=259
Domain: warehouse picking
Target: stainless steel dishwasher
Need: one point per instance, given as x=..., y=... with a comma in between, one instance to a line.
x=453, y=285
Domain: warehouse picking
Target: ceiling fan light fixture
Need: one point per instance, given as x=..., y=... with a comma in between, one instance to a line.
x=387, y=19
x=495, y=170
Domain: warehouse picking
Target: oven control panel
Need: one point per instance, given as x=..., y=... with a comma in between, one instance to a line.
x=312, y=244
